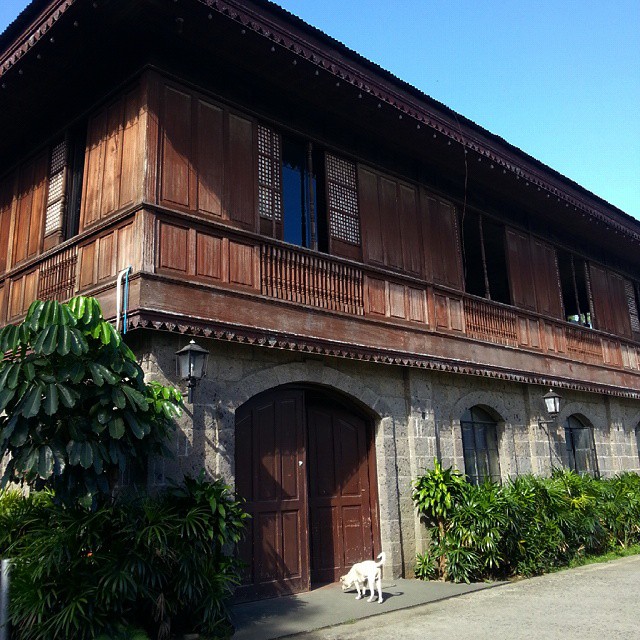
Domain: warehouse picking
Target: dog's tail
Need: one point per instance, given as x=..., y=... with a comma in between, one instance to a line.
x=382, y=557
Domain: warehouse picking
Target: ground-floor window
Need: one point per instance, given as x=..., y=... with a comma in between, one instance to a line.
x=480, y=446
x=581, y=449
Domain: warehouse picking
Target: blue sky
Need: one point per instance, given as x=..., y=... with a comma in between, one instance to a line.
x=559, y=79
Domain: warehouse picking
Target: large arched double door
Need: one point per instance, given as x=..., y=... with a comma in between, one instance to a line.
x=305, y=464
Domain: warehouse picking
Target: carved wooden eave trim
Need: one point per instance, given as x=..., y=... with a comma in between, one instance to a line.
x=30, y=36
x=384, y=91
x=327, y=348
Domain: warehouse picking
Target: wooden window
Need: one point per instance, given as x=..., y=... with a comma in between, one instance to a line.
x=269, y=174
x=581, y=449
x=442, y=241
x=576, y=289
x=57, y=186
x=610, y=302
x=480, y=446
x=484, y=258
x=631, y=291
x=342, y=200
x=306, y=196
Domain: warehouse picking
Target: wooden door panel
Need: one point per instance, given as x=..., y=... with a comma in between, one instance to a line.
x=271, y=476
x=339, y=500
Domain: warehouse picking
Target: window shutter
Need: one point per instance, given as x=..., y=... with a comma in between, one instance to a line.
x=57, y=187
x=600, y=293
x=632, y=303
x=520, y=273
x=342, y=200
x=269, y=174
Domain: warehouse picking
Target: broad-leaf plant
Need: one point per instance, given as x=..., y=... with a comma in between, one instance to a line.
x=74, y=406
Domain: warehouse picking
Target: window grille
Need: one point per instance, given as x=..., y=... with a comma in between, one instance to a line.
x=632, y=303
x=269, y=174
x=56, y=193
x=342, y=199
x=480, y=446
x=581, y=448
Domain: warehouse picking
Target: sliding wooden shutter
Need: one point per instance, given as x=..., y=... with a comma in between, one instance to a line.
x=611, y=305
x=241, y=172
x=7, y=201
x=520, y=271
x=442, y=241
x=632, y=305
x=370, y=215
x=547, y=282
x=342, y=207
x=27, y=237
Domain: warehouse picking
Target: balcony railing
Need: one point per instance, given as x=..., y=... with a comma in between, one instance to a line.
x=583, y=345
x=485, y=321
x=295, y=276
x=57, y=279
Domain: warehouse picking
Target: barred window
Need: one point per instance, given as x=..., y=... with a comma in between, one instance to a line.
x=480, y=446
x=269, y=174
x=342, y=199
x=57, y=186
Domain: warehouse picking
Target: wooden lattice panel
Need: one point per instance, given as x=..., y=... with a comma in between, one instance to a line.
x=269, y=174
x=342, y=199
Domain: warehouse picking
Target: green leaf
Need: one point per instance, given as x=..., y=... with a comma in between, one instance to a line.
x=136, y=399
x=29, y=371
x=118, y=397
x=86, y=455
x=50, y=343
x=96, y=373
x=5, y=372
x=108, y=334
x=134, y=425
x=64, y=340
x=73, y=450
x=68, y=396
x=116, y=428
x=34, y=313
x=20, y=433
x=6, y=395
x=32, y=403
x=51, y=399
x=78, y=343
x=45, y=462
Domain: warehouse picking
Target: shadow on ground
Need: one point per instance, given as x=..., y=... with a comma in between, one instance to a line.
x=329, y=605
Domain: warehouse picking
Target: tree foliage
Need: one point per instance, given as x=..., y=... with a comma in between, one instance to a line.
x=74, y=406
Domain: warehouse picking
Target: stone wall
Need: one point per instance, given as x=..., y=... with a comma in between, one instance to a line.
x=417, y=415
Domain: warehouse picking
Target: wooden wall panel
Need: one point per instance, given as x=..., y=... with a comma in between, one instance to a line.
x=442, y=242
x=241, y=176
x=173, y=247
x=611, y=309
x=417, y=305
x=397, y=303
x=209, y=256
x=370, y=216
x=242, y=264
x=106, y=256
x=411, y=230
x=7, y=205
x=210, y=158
x=114, y=159
x=546, y=280
x=22, y=292
x=30, y=206
x=520, y=271
x=101, y=258
x=391, y=238
x=176, y=167
x=376, y=296
x=132, y=150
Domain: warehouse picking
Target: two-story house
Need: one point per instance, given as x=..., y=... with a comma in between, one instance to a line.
x=379, y=281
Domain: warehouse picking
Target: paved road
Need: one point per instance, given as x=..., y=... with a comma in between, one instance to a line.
x=596, y=602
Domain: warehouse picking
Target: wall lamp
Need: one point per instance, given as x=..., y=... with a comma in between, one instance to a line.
x=552, y=405
x=191, y=365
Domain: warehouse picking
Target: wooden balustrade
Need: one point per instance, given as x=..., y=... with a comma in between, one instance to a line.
x=583, y=345
x=489, y=322
x=317, y=281
x=57, y=279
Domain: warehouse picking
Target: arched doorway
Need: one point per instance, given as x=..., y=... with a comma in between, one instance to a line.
x=581, y=447
x=305, y=464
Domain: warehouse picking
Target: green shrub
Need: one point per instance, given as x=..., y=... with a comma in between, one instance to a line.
x=159, y=564
x=526, y=526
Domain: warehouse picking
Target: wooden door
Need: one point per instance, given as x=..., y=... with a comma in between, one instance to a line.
x=339, y=491
x=271, y=476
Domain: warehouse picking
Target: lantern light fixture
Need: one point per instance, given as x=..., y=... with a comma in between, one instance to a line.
x=552, y=403
x=191, y=365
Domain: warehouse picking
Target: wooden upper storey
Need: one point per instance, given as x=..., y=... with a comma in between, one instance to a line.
x=251, y=205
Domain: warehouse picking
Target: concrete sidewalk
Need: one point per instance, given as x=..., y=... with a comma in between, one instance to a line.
x=329, y=605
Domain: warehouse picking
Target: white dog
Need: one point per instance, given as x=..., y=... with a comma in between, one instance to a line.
x=363, y=573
